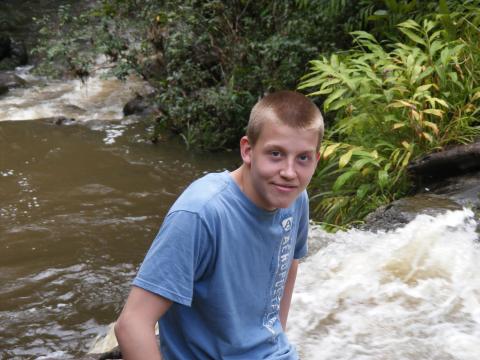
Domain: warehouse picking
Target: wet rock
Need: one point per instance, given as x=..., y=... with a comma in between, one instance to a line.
x=19, y=52
x=464, y=190
x=453, y=193
x=401, y=212
x=115, y=353
x=5, y=46
x=72, y=111
x=451, y=162
x=13, y=53
x=11, y=80
x=153, y=67
x=3, y=89
x=58, y=120
x=86, y=357
x=140, y=105
x=446, y=180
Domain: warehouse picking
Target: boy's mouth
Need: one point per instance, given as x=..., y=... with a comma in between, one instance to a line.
x=285, y=187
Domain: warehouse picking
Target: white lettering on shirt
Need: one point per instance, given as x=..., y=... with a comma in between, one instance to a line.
x=280, y=276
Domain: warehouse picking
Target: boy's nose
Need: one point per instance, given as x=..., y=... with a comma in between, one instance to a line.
x=288, y=171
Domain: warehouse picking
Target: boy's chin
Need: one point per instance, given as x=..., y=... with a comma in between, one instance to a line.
x=281, y=204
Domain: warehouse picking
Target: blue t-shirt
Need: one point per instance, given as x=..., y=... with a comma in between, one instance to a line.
x=224, y=261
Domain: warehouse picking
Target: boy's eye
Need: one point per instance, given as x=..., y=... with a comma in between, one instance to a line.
x=275, y=153
x=304, y=157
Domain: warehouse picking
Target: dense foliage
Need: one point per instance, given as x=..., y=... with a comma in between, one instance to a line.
x=393, y=101
x=210, y=60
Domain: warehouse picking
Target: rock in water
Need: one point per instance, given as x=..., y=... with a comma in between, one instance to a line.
x=5, y=46
x=451, y=162
x=10, y=80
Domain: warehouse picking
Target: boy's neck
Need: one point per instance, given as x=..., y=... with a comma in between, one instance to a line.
x=238, y=176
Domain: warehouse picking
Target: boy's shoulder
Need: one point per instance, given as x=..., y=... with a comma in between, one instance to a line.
x=203, y=192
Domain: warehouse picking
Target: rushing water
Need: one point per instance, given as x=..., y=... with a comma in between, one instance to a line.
x=413, y=293
x=81, y=203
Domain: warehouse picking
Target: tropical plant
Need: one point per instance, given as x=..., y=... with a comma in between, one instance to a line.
x=219, y=60
x=210, y=60
x=392, y=102
x=380, y=17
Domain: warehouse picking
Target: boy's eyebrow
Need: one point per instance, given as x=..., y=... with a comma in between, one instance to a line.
x=276, y=146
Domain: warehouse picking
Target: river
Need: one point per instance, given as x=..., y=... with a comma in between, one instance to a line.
x=81, y=202
x=79, y=206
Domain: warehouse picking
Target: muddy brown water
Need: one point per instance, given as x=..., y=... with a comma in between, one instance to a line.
x=78, y=211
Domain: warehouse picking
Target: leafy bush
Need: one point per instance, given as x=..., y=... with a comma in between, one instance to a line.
x=221, y=56
x=381, y=17
x=210, y=60
x=391, y=104
x=70, y=41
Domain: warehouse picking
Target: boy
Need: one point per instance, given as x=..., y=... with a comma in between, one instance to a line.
x=221, y=271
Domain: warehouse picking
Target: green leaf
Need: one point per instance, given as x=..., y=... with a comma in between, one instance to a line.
x=406, y=159
x=392, y=5
x=423, y=88
x=363, y=153
x=363, y=190
x=342, y=179
x=413, y=36
x=329, y=150
x=344, y=159
x=335, y=105
x=475, y=96
x=319, y=92
x=383, y=178
x=427, y=136
x=432, y=126
x=334, y=96
x=359, y=164
x=436, y=112
x=410, y=24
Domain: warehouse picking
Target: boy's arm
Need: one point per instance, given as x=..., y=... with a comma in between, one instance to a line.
x=287, y=293
x=135, y=328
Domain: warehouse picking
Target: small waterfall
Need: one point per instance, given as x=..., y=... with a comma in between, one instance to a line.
x=412, y=293
x=98, y=98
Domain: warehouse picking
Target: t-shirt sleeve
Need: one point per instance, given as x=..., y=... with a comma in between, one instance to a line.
x=301, y=246
x=179, y=255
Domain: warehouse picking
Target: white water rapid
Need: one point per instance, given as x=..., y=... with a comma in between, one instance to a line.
x=97, y=98
x=408, y=294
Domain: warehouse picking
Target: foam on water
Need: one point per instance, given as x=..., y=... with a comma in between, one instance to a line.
x=98, y=98
x=413, y=293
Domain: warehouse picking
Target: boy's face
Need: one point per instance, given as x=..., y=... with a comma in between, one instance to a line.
x=280, y=164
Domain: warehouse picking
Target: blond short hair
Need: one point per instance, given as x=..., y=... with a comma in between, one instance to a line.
x=288, y=107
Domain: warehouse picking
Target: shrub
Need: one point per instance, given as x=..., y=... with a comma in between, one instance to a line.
x=221, y=56
x=210, y=60
x=393, y=102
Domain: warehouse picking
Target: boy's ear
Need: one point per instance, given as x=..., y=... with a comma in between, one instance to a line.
x=317, y=155
x=246, y=150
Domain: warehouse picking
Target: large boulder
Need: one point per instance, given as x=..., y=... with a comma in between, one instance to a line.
x=141, y=105
x=11, y=80
x=3, y=89
x=402, y=211
x=5, y=46
x=19, y=52
x=13, y=53
x=454, y=161
x=446, y=180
